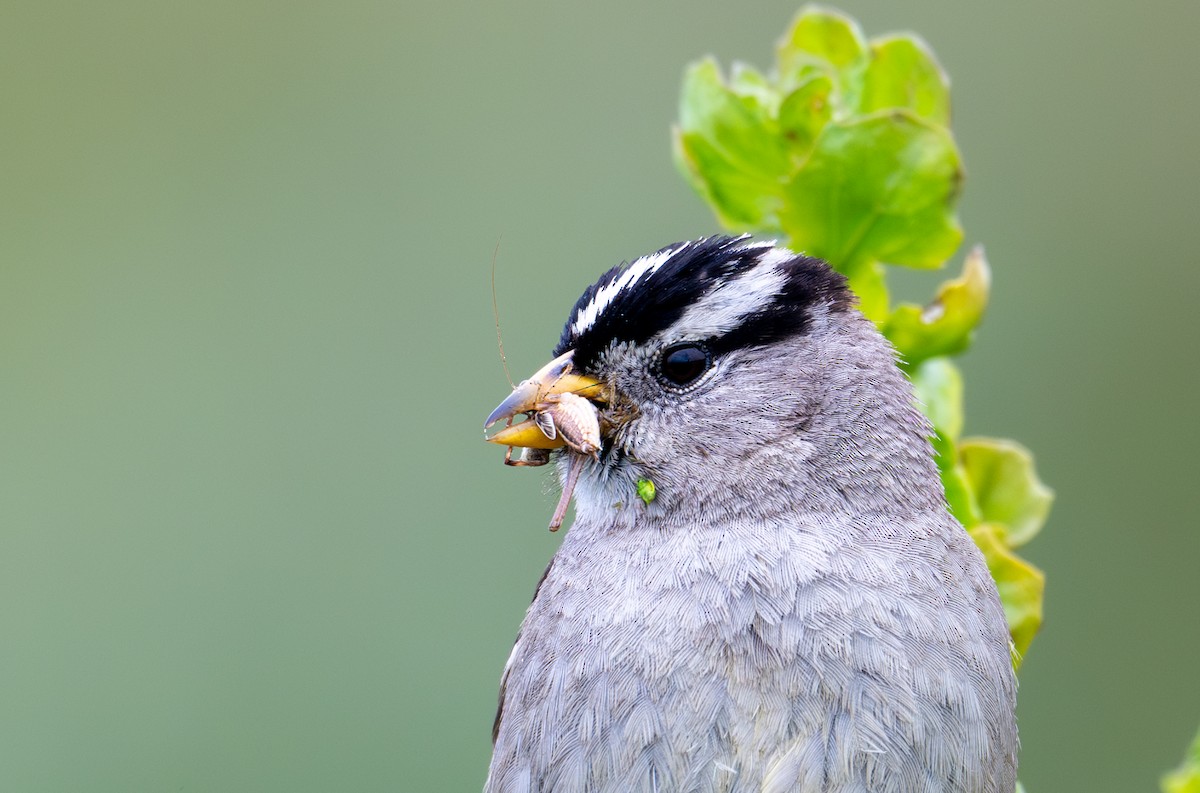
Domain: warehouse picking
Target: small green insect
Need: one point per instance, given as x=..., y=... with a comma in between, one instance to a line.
x=646, y=490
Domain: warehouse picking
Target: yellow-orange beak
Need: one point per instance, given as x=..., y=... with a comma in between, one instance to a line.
x=536, y=394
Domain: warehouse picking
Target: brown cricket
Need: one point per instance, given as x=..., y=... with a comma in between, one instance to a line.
x=560, y=410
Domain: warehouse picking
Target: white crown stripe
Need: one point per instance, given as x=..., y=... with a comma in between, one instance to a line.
x=724, y=308
x=606, y=294
x=717, y=312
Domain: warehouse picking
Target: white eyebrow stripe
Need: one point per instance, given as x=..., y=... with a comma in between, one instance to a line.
x=606, y=294
x=724, y=308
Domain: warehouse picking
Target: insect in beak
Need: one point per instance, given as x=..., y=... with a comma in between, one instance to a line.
x=560, y=409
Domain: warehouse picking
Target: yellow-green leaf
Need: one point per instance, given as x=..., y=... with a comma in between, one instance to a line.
x=945, y=326
x=1006, y=487
x=1021, y=585
x=819, y=34
x=1185, y=778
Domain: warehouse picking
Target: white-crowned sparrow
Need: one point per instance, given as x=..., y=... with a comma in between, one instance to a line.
x=795, y=609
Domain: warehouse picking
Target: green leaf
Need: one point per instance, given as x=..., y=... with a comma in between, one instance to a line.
x=902, y=72
x=738, y=198
x=729, y=149
x=739, y=125
x=1006, y=487
x=958, y=489
x=946, y=325
x=819, y=35
x=1021, y=586
x=805, y=112
x=939, y=388
x=746, y=81
x=844, y=150
x=869, y=285
x=1185, y=778
x=880, y=188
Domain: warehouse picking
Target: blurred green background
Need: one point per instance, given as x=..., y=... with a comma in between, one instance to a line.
x=250, y=539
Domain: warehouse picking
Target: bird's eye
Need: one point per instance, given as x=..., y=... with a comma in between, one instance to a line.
x=682, y=364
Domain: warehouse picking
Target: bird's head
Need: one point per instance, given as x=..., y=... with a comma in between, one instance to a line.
x=736, y=377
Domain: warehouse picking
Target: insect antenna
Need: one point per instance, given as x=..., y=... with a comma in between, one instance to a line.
x=496, y=316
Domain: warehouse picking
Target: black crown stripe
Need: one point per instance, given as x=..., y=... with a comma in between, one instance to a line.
x=690, y=271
